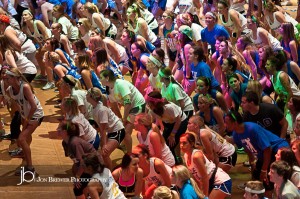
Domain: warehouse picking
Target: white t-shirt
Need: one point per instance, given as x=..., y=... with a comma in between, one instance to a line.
x=80, y=97
x=196, y=28
x=85, y=128
x=68, y=28
x=103, y=114
x=171, y=112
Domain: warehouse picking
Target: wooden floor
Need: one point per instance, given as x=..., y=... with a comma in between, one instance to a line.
x=53, y=167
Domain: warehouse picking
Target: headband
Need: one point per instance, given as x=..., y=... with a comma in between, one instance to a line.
x=155, y=61
x=184, y=21
x=11, y=73
x=28, y=12
x=211, y=14
x=254, y=191
x=154, y=100
x=160, y=73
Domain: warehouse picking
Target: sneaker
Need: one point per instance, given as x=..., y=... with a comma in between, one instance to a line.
x=5, y=137
x=41, y=77
x=57, y=105
x=241, y=151
x=56, y=90
x=246, y=164
x=48, y=86
x=17, y=153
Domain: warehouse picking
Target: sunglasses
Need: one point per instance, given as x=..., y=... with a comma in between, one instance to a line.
x=79, y=23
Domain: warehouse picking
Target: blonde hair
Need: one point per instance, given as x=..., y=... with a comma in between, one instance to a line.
x=207, y=99
x=86, y=23
x=255, y=86
x=54, y=57
x=256, y=186
x=96, y=94
x=163, y=192
x=70, y=105
x=91, y=8
x=146, y=120
x=182, y=174
x=19, y=75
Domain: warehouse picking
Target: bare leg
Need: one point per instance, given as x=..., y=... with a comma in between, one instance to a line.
x=128, y=139
x=107, y=149
x=46, y=7
x=39, y=58
x=217, y=194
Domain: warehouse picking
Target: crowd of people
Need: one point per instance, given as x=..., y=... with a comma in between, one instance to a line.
x=199, y=81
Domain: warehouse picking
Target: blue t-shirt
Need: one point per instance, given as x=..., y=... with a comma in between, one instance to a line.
x=211, y=36
x=187, y=191
x=256, y=139
x=202, y=69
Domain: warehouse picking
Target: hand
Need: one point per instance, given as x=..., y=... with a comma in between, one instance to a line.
x=171, y=140
x=264, y=177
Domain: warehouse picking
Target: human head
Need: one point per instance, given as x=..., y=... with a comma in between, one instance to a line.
x=78, y=45
x=254, y=190
x=252, y=22
x=223, y=6
x=234, y=82
x=70, y=128
x=268, y=5
x=95, y=94
x=127, y=36
x=70, y=81
x=232, y=119
x=272, y=65
x=84, y=23
x=295, y=145
x=229, y=65
x=168, y=15
x=5, y=44
x=187, y=31
x=92, y=163
x=205, y=101
x=203, y=85
x=154, y=64
x=137, y=48
x=249, y=100
x=70, y=106
x=287, y=155
x=133, y=12
x=280, y=170
x=210, y=19
x=255, y=86
x=58, y=11
x=156, y=102
x=165, y=193
x=141, y=151
x=89, y=8
x=54, y=57
x=287, y=30
x=187, y=142
x=27, y=16
x=96, y=42
x=224, y=47
x=242, y=42
x=107, y=76
x=100, y=56
x=129, y=162
x=14, y=76
x=165, y=75
x=51, y=44
x=196, y=53
x=183, y=19
x=195, y=123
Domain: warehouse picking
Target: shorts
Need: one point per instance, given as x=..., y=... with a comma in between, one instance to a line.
x=224, y=187
x=230, y=160
x=135, y=111
x=39, y=120
x=172, y=55
x=96, y=142
x=117, y=135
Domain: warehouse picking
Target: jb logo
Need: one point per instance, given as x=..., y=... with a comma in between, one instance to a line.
x=26, y=173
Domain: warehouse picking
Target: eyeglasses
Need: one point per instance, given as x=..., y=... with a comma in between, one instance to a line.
x=79, y=23
x=165, y=17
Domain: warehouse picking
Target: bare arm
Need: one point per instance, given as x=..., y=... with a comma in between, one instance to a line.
x=284, y=125
x=161, y=169
x=199, y=162
x=294, y=51
x=156, y=143
x=205, y=137
x=218, y=114
x=12, y=37
x=86, y=76
x=295, y=69
x=94, y=188
x=9, y=57
x=235, y=19
x=139, y=182
x=113, y=49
